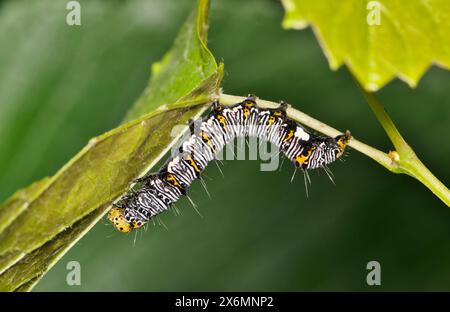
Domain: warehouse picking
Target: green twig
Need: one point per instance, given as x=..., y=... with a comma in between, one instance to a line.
x=403, y=160
x=404, y=156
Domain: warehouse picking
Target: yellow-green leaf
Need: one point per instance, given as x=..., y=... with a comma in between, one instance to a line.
x=181, y=69
x=40, y=223
x=377, y=40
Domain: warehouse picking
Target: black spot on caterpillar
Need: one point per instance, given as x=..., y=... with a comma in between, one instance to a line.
x=158, y=191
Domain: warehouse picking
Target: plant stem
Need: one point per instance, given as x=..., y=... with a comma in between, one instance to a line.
x=386, y=122
x=407, y=163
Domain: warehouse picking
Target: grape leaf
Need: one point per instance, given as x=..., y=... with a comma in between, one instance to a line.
x=377, y=40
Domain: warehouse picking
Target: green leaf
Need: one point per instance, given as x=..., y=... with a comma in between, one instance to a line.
x=410, y=36
x=181, y=69
x=43, y=221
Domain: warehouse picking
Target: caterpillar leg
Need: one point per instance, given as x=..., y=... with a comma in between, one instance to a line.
x=283, y=106
x=217, y=107
x=139, y=180
x=251, y=97
x=194, y=124
x=191, y=124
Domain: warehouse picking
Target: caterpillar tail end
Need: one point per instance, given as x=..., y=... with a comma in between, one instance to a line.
x=117, y=218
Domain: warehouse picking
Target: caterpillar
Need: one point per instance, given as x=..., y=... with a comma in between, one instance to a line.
x=159, y=191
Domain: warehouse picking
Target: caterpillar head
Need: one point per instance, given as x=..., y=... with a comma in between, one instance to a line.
x=117, y=218
x=342, y=142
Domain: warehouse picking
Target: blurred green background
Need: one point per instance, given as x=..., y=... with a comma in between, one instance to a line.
x=61, y=85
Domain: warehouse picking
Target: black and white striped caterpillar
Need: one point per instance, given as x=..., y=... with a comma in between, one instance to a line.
x=223, y=124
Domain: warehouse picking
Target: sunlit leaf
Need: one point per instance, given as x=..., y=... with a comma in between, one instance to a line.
x=377, y=40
